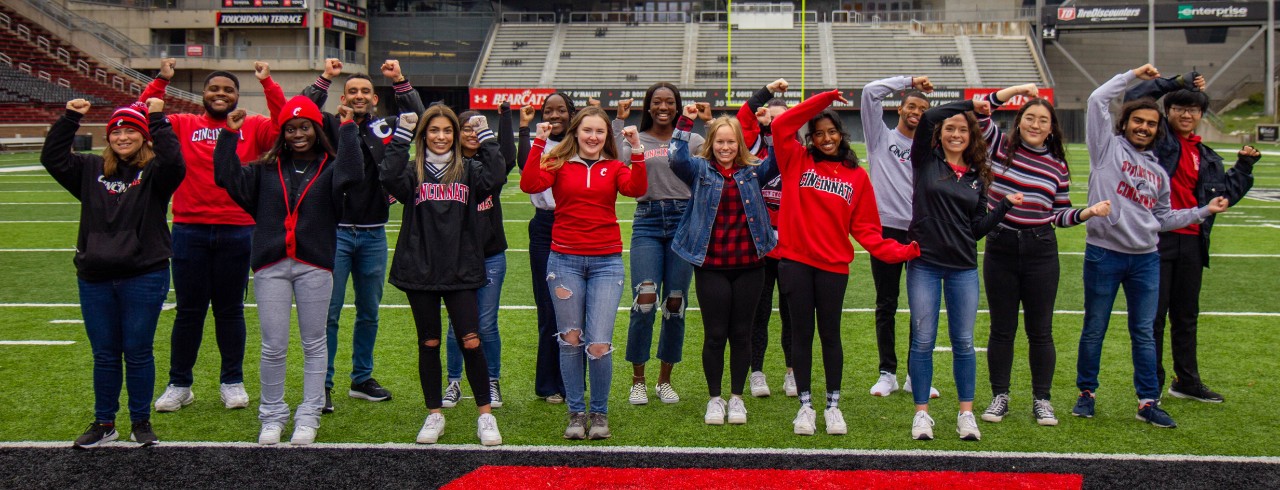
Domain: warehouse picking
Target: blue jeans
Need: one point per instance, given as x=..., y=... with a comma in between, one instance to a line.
x=585, y=291
x=362, y=254
x=926, y=285
x=489, y=296
x=120, y=318
x=653, y=261
x=210, y=265
x=1104, y=272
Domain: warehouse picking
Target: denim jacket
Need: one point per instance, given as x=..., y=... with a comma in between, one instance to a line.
x=694, y=232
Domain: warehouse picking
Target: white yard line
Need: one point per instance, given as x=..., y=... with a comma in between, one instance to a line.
x=37, y=342
x=28, y=168
x=66, y=321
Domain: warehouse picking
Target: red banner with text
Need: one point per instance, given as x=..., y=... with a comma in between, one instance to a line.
x=1013, y=104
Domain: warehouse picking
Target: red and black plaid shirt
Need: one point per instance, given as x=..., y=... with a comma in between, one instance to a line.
x=731, y=245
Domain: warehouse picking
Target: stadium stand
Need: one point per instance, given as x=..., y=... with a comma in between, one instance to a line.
x=525, y=42
x=866, y=53
x=1004, y=61
x=649, y=52
x=760, y=56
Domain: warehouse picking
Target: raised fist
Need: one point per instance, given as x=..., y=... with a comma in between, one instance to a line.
x=526, y=116
x=332, y=68
x=408, y=120
x=704, y=110
x=543, y=130
x=632, y=135
x=982, y=107
x=79, y=105
x=1146, y=72
x=480, y=123
x=624, y=108
x=155, y=104
x=763, y=117
x=391, y=70
x=778, y=86
x=236, y=119
x=345, y=114
x=166, y=68
x=593, y=102
x=691, y=111
x=262, y=70
x=922, y=84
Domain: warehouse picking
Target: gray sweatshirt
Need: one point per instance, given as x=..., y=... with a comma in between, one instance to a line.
x=889, y=152
x=1133, y=180
x=663, y=183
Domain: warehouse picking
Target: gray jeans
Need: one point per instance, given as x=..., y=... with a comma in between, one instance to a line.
x=276, y=288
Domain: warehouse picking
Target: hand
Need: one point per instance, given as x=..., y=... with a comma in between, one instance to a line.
x=408, y=120
x=332, y=68
x=1198, y=82
x=345, y=114
x=691, y=111
x=79, y=105
x=1249, y=151
x=526, y=116
x=236, y=119
x=778, y=86
x=704, y=111
x=624, y=108
x=632, y=135
x=1027, y=90
x=391, y=70
x=1146, y=72
x=543, y=130
x=480, y=123
x=262, y=70
x=504, y=108
x=841, y=98
x=922, y=84
x=1015, y=198
x=593, y=102
x=166, y=68
x=982, y=107
x=1102, y=209
x=1218, y=204
x=763, y=117
x=155, y=105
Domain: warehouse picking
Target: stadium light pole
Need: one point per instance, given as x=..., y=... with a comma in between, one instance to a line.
x=1151, y=32
x=1270, y=75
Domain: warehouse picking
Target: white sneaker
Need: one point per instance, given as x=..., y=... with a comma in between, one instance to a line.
x=967, y=427
x=666, y=393
x=759, y=386
x=789, y=384
x=174, y=398
x=887, y=384
x=639, y=394
x=804, y=421
x=487, y=430
x=933, y=392
x=922, y=426
x=233, y=396
x=431, y=429
x=835, y=421
x=715, y=412
x=303, y=435
x=737, y=411
x=270, y=434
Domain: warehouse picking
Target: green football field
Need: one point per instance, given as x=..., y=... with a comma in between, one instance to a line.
x=47, y=395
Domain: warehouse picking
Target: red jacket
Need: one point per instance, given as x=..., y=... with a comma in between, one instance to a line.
x=199, y=200
x=586, y=220
x=826, y=201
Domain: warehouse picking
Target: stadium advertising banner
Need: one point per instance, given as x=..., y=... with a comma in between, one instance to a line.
x=261, y=19
x=345, y=8
x=264, y=4
x=344, y=24
x=491, y=98
x=1013, y=104
x=1169, y=12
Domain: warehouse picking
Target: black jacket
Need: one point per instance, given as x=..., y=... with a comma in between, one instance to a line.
x=124, y=228
x=492, y=234
x=365, y=203
x=439, y=247
x=261, y=190
x=948, y=214
x=1213, y=181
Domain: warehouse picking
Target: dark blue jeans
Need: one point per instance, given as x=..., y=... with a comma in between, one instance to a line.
x=362, y=255
x=1104, y=272
x=120, y=318
x=210, y=266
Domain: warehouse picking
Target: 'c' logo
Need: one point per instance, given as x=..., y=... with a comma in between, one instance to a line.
x=602, y=171
x=296, y=110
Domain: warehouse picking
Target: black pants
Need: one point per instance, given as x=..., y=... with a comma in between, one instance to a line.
x=1181, y=271
x=764, y=310
x=464, y=312
x=1021, y=267
x=546, y=371
x=728, y=300
x=814, y=292
x=888, y=280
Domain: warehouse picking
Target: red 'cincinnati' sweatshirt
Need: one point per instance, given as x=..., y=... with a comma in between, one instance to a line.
x=586, y=219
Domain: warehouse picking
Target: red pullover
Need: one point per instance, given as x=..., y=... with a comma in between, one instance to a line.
x=826, y=201
x=586, y=220
x=199, y=200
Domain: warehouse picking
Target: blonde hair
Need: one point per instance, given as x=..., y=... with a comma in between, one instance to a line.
x=111, y=161
x=744, y=158
x=568, y=148
x=453, y=172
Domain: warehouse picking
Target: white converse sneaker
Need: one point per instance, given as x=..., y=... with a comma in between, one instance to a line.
x=789, y=384
x=715, y=412
x=835, y=421
x=933, y=392
x=666, y=393
x=487, y=430
x=967, y=427
x=431, y=429
x=759, y=386
x=737, y=411
x=888, y=383
x=922, y=426
x=639, y=394
x=174, y=398
x=270, y=434
x=804, y=421
x=233, y=395
x=303, y=435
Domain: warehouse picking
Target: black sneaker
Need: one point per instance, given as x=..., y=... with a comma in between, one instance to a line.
x=1151, y=413
x=143, y=434
x=369, y=390
x=96, y=434
x=328, y=401
x=1199, y=392
x=495, y=394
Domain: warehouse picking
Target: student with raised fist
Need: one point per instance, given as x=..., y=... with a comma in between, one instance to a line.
x=122, y=251
x=294, y=193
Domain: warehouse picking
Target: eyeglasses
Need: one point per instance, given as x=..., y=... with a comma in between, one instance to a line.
x=1194, y=111
x=468, y=130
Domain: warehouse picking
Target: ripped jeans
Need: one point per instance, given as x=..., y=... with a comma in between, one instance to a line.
x=585, y=291
x=658, y=273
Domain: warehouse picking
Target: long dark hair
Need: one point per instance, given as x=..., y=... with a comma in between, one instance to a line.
x=281, y=150
x=976, y=153
x=1053, y=142
x=646, y=119
x=844, y=152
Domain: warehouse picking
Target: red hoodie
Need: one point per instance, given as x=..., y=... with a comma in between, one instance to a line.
x=586, y=220
x=826, y=201
x=199, y=200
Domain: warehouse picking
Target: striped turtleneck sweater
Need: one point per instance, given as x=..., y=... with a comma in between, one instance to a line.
x=1043, y=180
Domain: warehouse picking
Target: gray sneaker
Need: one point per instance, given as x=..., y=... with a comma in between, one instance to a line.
x=599, y=426
x=452, y=394
x=998, y=408
x=577, y=426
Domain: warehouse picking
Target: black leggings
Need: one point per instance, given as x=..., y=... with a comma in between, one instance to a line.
x=813, y=291
x=728, y=300
x=764, y=309
x=1021, y=266
x=464, y=312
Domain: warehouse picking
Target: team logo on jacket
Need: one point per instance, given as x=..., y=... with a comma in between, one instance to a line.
x=442, y=192
x=486, y=204
x=1144, y=186
x=903, y=155
x=381, y=130
x=604, y=171
x=115, y=188
x=828, y=185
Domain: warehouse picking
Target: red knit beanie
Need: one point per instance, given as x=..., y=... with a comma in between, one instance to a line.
x=134, y=116
x=300, y=106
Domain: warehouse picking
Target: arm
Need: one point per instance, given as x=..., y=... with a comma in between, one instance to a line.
x=1240, y=178
x=981, y=220
x=318, y=91
x=398, y=177
x=683, y=164
x=787, y=146
x=240, y=181
x=747, y=116
x=506, y=141
x=871, y=109
x=1171, y=219
x=169, y=166
x=621, y=143
x=407, y=98
x=1158, y=87
x=350, y=161
x=1064, y=215
x=488, y=169
x=154, y=90
x=634, y=181
x=865, y=227
x=1099, y=128
x=922, y=145
x=534, y=178
x=266, y=135
x=991, y=133
x=522, y=153
x=56, y=156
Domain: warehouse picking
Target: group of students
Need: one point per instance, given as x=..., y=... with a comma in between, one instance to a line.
x=302, y=198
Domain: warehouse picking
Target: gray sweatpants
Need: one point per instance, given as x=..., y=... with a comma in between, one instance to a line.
x=276, y=287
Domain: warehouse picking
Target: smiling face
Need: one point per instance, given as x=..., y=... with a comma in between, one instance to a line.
x=125, y=142
x=556, y=112
x=910, y=112
x=592, y=131
x=1184, y=119
x=725, y=145
x=470, y=139
x=955, y=136
x=662, y=107
x=1035, y=125
x=439, y=136
x=299, y=136
x=358, y=95
x=220, y=97
x=826, y=137
x=1140, y=128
